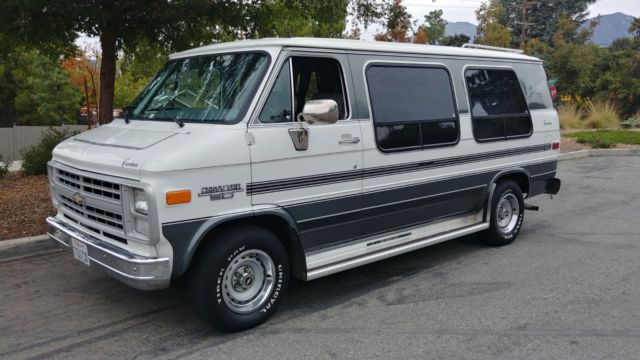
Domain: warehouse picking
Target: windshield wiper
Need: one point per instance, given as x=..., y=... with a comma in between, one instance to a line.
x=164, y=107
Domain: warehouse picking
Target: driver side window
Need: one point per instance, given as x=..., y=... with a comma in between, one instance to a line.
x=314, y=78
x=277, y=109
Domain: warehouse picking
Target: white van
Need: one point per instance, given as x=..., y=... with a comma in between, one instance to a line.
x=243, y=164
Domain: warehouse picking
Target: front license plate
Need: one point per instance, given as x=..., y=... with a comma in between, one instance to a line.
x=80, y=251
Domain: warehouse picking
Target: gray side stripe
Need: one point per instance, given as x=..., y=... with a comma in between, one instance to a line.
x=324, y=179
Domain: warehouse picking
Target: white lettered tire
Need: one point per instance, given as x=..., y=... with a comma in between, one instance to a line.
x=507, y=214
x=239, y=278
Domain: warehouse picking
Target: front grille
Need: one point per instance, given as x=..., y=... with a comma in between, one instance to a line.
x=97, y=231
x=89, y=185
x=93, y=203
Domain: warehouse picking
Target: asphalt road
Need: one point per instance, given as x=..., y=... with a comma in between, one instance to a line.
x=569, y=287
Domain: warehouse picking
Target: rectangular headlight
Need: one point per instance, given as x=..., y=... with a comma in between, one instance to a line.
x=140, y=204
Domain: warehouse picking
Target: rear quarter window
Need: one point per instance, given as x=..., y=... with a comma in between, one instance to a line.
x=498, y=105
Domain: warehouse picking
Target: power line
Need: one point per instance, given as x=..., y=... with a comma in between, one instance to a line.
x=442, y=6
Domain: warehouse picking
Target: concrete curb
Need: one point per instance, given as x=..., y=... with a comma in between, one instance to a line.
x=37, y=245
x=26, y=247
x=599, y=152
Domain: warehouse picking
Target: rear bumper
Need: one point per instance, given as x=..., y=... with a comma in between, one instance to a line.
x=144, y=273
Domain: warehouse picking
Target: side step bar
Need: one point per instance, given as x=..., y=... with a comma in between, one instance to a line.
x=393, y=251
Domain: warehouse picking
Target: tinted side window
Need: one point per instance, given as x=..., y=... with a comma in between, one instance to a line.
x=498, y=106
x=412, y=106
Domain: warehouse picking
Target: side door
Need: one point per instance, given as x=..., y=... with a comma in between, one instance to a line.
x=414, y=152
x=321, y=187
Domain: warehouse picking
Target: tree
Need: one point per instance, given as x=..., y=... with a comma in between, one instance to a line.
x=400, y=25
x=489, y=30
x=176, y=24
x=616, y=74
x=135, y=69
x=455, y=40
x=634, y=29
x=84, y=72
x=544, y=14
x=365, y=12
x=44, y=94
x=567, y=31
x=434, y=26
x=569, y=60
x=118, y=23
x=537, y=48
x=421, y=38
x=399, y=22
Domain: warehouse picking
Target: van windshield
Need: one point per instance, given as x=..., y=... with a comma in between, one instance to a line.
x=210, y=89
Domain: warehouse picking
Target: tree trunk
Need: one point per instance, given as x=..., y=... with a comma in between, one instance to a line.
x=107, y=77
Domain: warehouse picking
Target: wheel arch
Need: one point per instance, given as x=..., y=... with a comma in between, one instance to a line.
x=519, y=175
x=199, y=232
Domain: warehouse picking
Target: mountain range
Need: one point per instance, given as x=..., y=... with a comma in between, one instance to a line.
x=611, y=27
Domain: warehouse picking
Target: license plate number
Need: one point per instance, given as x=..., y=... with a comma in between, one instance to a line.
x=80, y=251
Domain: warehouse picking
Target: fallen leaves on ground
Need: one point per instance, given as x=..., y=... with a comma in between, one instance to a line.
x=24, y=206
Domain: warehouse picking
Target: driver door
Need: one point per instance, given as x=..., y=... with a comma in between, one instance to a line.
x=321, y=187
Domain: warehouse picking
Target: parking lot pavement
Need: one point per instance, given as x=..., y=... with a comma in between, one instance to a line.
x=569, y=287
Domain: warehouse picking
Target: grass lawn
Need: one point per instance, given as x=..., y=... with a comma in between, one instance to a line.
x=606, y=138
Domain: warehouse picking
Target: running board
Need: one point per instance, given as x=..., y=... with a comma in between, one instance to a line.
x=401, y=243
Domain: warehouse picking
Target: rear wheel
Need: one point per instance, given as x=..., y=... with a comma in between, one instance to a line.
x=239, y=278
x=507, y=214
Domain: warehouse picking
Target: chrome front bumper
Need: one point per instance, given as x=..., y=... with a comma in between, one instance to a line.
x=144, y=273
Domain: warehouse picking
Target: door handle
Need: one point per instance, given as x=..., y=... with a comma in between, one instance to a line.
x=349, y=140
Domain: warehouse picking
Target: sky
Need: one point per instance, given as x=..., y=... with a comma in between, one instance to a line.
x=462, y=10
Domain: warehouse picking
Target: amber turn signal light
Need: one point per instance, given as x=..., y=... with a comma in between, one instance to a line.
x=178, y=197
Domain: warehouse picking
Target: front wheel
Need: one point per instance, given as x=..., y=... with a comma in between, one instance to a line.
x=507, y=214
x=239, y=278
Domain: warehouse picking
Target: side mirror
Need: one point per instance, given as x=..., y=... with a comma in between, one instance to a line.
x=320, y=112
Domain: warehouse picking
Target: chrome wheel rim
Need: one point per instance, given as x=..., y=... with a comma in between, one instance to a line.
x=248, y=281
x=507, y=213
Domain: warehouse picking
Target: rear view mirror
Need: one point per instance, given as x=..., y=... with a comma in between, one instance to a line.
x=320, y=112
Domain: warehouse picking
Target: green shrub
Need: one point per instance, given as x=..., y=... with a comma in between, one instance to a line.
x=613, y=136
x=35, y=159
x=4, y=167
x=596, y=143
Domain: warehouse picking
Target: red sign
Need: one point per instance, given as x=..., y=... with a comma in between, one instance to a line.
x=554, y=92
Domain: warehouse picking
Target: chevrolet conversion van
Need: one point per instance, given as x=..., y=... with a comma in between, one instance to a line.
x=243, y=164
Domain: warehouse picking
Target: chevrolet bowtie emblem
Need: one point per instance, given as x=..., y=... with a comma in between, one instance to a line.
x=77, y=199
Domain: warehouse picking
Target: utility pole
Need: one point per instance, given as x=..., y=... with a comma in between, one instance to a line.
x=525, y=5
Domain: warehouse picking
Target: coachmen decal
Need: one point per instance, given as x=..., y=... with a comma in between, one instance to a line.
x=221, y=191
